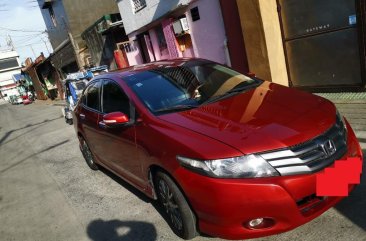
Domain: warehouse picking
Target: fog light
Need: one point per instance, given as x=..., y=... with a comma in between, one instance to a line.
x=255, y=222
x=260, y=223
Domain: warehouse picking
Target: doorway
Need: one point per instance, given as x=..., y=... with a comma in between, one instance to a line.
x=147, y=52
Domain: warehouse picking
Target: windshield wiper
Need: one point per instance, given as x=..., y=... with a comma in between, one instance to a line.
x=176, y=108
x=231, y=92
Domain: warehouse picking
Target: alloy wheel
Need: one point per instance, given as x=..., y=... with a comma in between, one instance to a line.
x=170, y=205
x=88, y=156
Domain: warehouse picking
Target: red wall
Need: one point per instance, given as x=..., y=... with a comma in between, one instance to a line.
x=238, y=55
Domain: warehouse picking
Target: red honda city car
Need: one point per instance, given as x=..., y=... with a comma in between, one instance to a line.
x=224, y=154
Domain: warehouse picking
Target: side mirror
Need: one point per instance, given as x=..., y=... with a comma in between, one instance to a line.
x=114, y=119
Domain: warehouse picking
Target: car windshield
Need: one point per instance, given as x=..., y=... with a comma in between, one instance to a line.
x=173, y=89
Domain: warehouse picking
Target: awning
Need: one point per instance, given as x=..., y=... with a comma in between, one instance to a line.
x=9, y=86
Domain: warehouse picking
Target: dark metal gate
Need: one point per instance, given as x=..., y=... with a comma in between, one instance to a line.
x=322, y=43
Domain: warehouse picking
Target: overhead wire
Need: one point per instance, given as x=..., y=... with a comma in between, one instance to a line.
x=23, y=38
x=33, y=44
x=22, y=30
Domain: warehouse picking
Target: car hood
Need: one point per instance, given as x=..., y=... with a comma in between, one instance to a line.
x=266, y=118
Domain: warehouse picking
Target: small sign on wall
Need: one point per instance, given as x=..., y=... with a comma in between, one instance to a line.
x=352, y=19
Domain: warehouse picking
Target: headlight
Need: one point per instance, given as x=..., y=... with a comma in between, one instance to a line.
x=340, y=121
x=249, y=166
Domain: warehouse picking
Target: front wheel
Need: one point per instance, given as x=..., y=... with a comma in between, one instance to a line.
x=88, y=155
x=69, y=121
x=179, y=214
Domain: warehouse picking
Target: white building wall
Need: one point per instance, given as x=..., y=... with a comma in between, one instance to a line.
x=154, y=10
x=9, y=92
x=6, y=75
x=9, y=54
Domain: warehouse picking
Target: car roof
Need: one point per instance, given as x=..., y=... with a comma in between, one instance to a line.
x=153, y=65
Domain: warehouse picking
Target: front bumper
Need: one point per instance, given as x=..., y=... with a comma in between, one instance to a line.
x=224, y=206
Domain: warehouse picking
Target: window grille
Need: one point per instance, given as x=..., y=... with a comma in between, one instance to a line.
x=128, y=46
x=138, y=5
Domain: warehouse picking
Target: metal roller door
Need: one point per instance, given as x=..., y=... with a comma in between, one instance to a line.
x=322, y=43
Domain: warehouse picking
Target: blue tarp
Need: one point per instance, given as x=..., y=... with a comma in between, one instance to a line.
x=17, y=77
x=87, y=74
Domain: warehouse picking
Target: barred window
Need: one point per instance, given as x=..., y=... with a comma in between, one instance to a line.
x=137, y=5
x=8, y=63
x=128, y=46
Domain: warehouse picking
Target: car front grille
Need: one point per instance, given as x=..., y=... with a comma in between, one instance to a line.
x=311, y=156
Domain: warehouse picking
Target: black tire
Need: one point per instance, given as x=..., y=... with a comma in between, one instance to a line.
x=179, y=215
x=87, y=154
x=69, y=121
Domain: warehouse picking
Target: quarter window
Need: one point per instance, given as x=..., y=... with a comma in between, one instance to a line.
x=114, y=100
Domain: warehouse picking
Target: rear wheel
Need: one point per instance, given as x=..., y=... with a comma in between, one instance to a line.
x=88, y=155
x=178, y=213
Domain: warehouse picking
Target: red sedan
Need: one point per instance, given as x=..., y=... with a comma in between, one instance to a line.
x=224, y=154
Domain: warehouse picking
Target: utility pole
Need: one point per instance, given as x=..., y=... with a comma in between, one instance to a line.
x=34, y=54
x=74, y=45
x=45, y=44
x=9, y=42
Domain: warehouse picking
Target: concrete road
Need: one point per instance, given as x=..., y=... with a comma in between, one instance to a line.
x=47, y=192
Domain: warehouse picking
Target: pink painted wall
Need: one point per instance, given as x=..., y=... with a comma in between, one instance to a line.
x=134, y=57
x=208, y=33
x=170, y=38
x=155, y=44
x=154, y=41
x=149, y=48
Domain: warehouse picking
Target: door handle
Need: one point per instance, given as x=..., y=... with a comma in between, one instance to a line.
x=82, y=116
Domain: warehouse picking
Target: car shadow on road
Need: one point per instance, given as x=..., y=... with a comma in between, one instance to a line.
x=138, y=194
x=117, y=230
x=353, y=207
x=126, y=185
x=8, y=133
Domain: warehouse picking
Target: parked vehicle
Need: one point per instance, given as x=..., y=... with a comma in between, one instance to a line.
x=11, y=99
x=15, y=100
x=74, y=84
x=19, y=100
x=224, y=154
x=73, y=90
x=26, y=100
x=31, y=96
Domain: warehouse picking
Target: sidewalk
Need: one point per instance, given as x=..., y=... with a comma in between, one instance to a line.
x=353, y=107
x=2, y=102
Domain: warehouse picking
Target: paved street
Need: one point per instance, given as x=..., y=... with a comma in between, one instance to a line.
x=47, y=192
